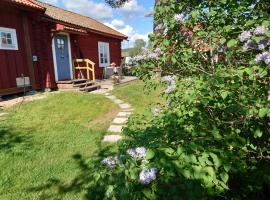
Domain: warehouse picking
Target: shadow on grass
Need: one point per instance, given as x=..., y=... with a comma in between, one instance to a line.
x=10, y=138
x=55, y=188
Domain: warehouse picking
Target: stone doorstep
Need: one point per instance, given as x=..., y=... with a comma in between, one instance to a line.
x=115, y=128
x=120, y=120
x=124, y=114
x=125, y=106
x=112, y=138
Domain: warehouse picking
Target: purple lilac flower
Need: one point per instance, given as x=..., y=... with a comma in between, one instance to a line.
x=148, y=175
x=110, y=161
x=158, y=51
x=263, y=57
x=260, y=30
x=170, y=89
x=179, y=17
x=263, y=44
x=155, y=111
x=169, y=79
x=137, y=153
x=159, y=27
x=245, y=36
x=166, y=30
x=249, y=45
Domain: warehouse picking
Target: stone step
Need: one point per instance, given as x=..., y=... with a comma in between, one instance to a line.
x=125, y=106
x=124, y=114
x=3, y=114
x=128, y=110
x=90, y=88
x=117, y=101
x=85, y=84
x=120, y=120
x=111, y=97
x=115, y=128
x=112, y=138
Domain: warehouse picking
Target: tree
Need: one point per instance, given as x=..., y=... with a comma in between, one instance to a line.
x=139, y=44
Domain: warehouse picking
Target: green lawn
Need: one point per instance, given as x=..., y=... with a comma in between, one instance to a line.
x=136, y=94
x=47, y=146
x=44, y=142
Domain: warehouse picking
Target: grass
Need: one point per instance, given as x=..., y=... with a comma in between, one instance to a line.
x=136, y=94
x=46, y=145
x=41, y=141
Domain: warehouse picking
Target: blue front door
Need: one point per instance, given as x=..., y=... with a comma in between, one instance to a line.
x=62, y=57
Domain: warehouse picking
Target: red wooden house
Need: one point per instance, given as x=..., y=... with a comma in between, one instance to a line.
x=41, y=44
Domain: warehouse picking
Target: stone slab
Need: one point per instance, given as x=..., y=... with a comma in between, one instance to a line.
x=3, y=114
x=120, y=120
x=115, y=128
x=112, y=138
x=99, y=91
x=128, y=110
x=117, y=101
x=124, y=114
x=111, y=97
x=125, y=106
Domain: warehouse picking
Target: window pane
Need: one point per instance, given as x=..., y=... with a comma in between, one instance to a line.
x=8, y=35
x=9, y=41
x=3, y=35
x=4, y=41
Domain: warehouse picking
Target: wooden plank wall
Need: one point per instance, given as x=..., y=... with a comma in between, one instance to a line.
x=89, y=47
x=12, y=63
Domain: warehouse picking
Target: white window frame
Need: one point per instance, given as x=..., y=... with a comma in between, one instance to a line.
x=13, y=39
x=107, y=48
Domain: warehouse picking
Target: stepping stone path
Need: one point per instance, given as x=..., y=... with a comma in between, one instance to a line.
x=119, y=122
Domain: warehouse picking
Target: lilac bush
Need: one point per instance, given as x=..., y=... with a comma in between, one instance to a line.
x=148, y=175
x=245, y=36
x=137, y=153
x=110, y=161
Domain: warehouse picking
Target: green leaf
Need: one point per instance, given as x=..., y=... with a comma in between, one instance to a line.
x=231, y=43
x=224, y=94
x=263, y=112
x=150, y=154
x=224, y=177
x=267, y=33
x=258, y=133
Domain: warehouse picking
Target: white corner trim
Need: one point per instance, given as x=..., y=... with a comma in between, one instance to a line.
x=54, y=56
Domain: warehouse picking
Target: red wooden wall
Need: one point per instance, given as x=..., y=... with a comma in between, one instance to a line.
x=12, y=62
x=88, y=45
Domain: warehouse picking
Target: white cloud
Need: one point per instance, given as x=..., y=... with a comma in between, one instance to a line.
x=128, y=30
x=132, y=9
x=54, y=2
x=99, y=11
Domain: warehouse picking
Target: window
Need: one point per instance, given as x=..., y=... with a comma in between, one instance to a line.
x=104, y=54
x=8, y=39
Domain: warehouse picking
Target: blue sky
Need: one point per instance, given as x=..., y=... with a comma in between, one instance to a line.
x=130, y=19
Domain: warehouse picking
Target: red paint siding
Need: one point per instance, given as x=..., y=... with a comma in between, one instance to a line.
x=12, y=63
x=88, y=45
x=42, y=48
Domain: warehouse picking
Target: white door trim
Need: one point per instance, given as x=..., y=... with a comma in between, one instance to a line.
x=54, y=56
